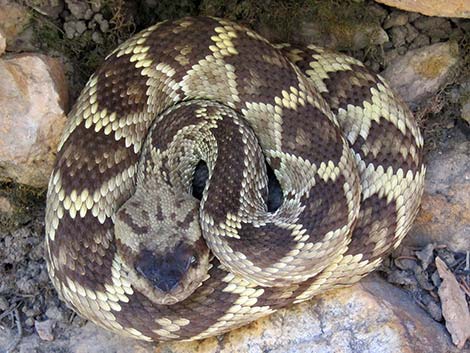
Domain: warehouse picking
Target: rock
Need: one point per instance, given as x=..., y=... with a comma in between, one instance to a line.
x=50, y=8
x=13, y=19
x=420, y=41
x=5, y=206
x=421, y=72
x=434, y=27
x=411, y=33
x=44, y=329
x=465, y=103
x=377, y=11
x=79, y=9
x=343, y=35
x=395, y=19
x=372, y=316
x=97, y=37
x=55, y=314
x=426, y=255
x=448, y=8
x=3, y=42
x=33, y=96
x=398, y=36
x=74, y=28
x=444, y=217
x=96, y=5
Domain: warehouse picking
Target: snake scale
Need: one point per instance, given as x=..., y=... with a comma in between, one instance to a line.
x=130, y=248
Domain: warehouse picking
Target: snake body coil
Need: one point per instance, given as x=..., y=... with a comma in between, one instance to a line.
x=130, y=249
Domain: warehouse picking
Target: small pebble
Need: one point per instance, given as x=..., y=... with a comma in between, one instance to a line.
x=421, y=40
x=97, y=38
x=422, y=278
x=44, y=329
x=80, y=27
x=436, y=279
x=398, y=36
x=434, y=310
x=426, y=255
x=3, y=304
x=412, y=33
x=396, y=18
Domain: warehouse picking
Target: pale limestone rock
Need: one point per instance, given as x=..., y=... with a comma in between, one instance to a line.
x=33, y=96
x=448, y=8
x=444, y=217
x=420, y=73
x=372, y=316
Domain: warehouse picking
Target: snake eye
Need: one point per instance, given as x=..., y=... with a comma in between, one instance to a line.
x=193, y=261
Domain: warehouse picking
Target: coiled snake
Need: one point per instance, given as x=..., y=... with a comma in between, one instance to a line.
x=127, y=243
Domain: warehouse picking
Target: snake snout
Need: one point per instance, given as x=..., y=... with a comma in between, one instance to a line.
x=165, y=272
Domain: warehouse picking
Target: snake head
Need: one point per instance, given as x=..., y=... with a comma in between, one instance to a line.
x=160, y=240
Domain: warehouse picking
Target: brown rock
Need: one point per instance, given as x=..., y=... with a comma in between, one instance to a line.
x=421, y=72
x=3, y=42
x=372, y=316
x=13, y=19
x=448, y=8
x=5, y=206
x=341, y=34
x=33, y=97
x=444, y=217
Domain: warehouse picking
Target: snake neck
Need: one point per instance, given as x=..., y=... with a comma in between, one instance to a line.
x=158, y=232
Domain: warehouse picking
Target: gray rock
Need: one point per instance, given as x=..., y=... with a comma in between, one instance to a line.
x=96, y=5
x=69, y=28
x=444, y=217
x=338, y=35
x=421, y=72
x=45, y=329
x=377, y=11
x=420, y=41
x=426, y=255
x=411, y=33
x=78, y=8
x=3, y=304
x=97, y=37
x=465, y=103
x=56, y=314
x=103, y=23
x=398, y=36
x=80, y=27
x=435, y=27
x=50, y=8
x=395, y=19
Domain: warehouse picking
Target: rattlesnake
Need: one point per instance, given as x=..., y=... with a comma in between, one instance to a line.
x=129, y=247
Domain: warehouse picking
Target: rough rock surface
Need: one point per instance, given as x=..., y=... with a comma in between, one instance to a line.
x=418, y=74
x=342, y=35
x=3, y=42
x=444, y=217
x=33, y=96
x=372, y=316
x=13, y=19
x=448, y=8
